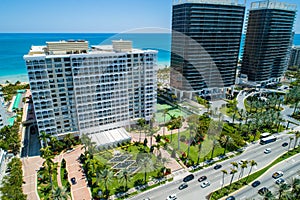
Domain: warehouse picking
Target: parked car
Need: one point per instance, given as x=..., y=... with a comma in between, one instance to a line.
x=202, y=178
x=182, y=186
x=73, y=180
x=205, y=184
x=217, y=166
x=277, y=174
x=263, y=190
x=188, y=178
x=255, y=183
x=280, y=181
x=267, y=150
x=285, y=144
x=172, y=197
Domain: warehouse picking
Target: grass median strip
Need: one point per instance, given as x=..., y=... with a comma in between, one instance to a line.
x=242, y=182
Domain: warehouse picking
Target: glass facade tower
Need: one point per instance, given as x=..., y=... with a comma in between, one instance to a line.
x=206, y=38
x=268, y=41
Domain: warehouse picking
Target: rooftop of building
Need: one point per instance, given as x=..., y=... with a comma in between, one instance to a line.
x=219, y=2
x=81, y=47
x=273, y=4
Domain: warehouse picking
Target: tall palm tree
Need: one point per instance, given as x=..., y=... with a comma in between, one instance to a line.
x=235, y=165
x=60, y=193
x=224, y=172
x=268, y=195
x=243, y=166
x=125, y=177
x=146, y=165
x=44, y=137
x=199, y=152
x=141, y=124
x=291, y=139
x=213, y=149
x=232, y=172
x=297, y=135
x=178, y=133
x=165, y=112
x=106, y=177
x=252, y=164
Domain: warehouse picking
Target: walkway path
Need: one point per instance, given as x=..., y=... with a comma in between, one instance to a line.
x=79, y=190
x=30, y=167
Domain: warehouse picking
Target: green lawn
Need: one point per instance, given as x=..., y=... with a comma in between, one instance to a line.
x=206, y=147
x=161, y=106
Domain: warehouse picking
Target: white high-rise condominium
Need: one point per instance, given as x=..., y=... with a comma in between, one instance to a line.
x=91, y=90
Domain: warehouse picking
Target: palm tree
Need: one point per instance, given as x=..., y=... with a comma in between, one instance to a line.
x=125, y=177
x=106, y=177
x=232, y=172
x=146, y=165
x=243, y=166
x=224, y=172
x=179, y=125
x=268, y=195
x=291, y=139
x=69, y=140
x=297, y=135
x=224, y=141
x=281, y=189
x=199, y=152
x=252, y=163
x=235, y=165
x=166, y=111
x=60, y=193
x=213, y=149
x=141, y=124
x=44, y=137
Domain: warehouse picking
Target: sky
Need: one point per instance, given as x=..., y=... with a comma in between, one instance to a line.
x=96, y=16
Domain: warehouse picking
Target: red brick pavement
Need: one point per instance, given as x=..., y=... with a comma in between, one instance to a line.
x=80, y=190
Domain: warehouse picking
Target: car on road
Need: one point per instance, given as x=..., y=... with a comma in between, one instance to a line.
x=277, y=174
x=285, y=144
x=230, y=198
x=263, y=190
x=255, y=183
x=73, y=180
x=188, y=178
x=280, y=181
x=172, y=197
x=217, y=166
x=205, y=184
x=147, y=198
x=182, y=186
x=267, y=150
x=70, y=150
x=202, y=178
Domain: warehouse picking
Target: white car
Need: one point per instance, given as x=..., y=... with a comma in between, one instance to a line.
x=267, y=150
x=172, y=197
x=204, y=184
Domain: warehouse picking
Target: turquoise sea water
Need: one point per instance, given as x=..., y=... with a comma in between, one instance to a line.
x=13, y=46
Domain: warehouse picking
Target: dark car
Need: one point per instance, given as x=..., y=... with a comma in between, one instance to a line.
x=255, y=183
x=285, y=144
x=263, y=191
x=230, y=198
x=182, y=186
x=217, y=166
x=73, y=180
x=202, y=178
x=188, y=178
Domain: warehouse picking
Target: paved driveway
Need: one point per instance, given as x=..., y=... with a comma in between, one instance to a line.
x=30, y=167
x=80, y=190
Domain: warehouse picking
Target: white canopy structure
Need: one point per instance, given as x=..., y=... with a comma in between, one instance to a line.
x=110, y=138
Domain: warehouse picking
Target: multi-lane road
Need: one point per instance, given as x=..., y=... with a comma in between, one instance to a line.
x=194, y=191
x=289, y=167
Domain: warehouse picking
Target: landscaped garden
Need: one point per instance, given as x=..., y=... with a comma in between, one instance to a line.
x=117, y=170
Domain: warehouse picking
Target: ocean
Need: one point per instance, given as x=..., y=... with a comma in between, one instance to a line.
x=13, y=46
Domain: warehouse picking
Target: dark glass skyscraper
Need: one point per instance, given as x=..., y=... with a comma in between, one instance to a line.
x=205, y=46
x=268, y=41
